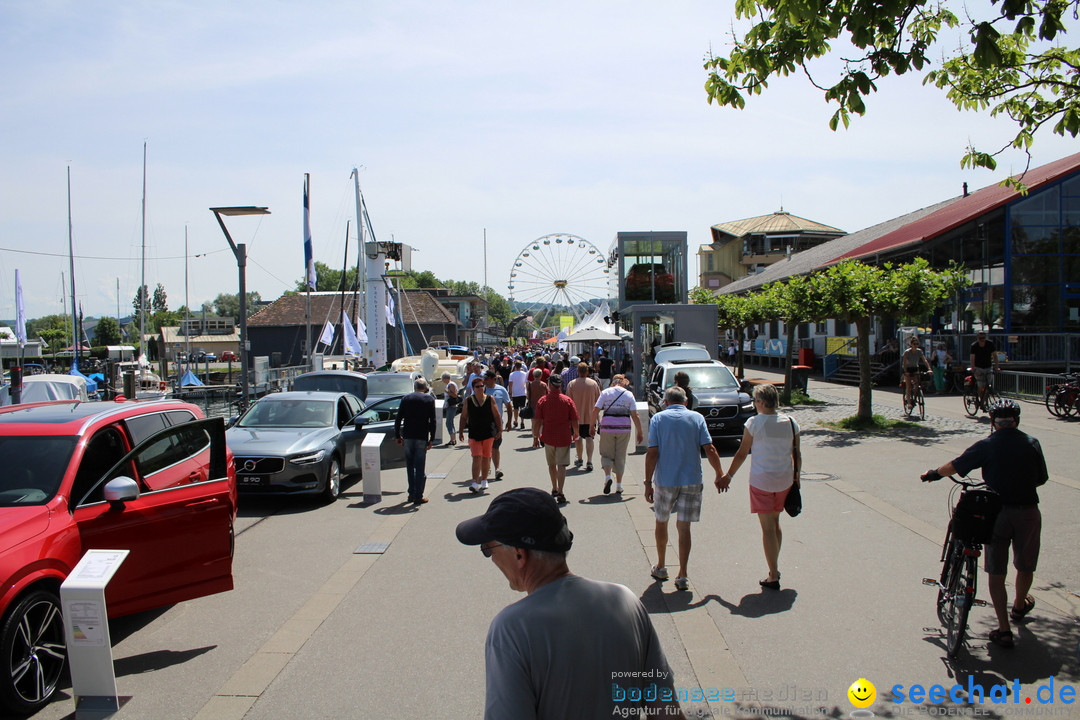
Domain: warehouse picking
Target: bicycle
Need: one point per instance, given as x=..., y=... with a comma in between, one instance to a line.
x=972, y=403
x=1063, y=399
x=971, y=525
x=916, y=399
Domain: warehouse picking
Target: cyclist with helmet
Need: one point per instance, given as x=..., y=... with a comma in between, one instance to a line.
x=1012, y=465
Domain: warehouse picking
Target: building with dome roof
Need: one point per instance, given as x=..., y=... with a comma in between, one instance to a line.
x=745, y=247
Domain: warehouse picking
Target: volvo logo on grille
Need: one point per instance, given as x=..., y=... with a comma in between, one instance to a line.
x=249, y=465
x=714, y=412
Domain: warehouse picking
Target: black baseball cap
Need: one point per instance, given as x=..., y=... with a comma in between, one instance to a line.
x=555, y=379
x=525, y=518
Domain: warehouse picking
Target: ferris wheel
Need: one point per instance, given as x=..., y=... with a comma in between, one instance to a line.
x=562, y=270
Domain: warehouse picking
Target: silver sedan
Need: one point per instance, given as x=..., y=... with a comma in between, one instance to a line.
x=306, y=442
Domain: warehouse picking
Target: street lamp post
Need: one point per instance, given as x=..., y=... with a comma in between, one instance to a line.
x=240, y=251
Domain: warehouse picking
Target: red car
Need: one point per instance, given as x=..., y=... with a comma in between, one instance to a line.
x=229, y=356
x=154, y=478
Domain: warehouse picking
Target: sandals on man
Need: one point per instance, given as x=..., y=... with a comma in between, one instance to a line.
x=1002, y=638
x=1018, y=613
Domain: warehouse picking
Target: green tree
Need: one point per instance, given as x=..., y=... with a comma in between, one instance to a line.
x=160, y=301
x=1013, y=62
x=228, y=304
x=107, y=331
x=794, y=301
x=857, y=292
x=141, y=303
x=55, y=330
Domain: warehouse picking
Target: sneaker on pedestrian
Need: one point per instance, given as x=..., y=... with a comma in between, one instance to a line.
x=498, y=474
x=659, y=573
x=475, y=487
x=588, y=467
x=577, y=463
x=484, y=485
x=561, y=499
x=555, y=493
x=618, y=488
x=607, y=484
x=682, y=583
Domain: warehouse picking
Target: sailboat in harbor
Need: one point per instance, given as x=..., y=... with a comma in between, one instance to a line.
x=148, y=385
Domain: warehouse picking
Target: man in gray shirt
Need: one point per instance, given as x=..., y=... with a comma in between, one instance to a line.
x=573, y=647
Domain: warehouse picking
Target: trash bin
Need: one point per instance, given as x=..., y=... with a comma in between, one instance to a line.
x=800, y=377
x=806, y=356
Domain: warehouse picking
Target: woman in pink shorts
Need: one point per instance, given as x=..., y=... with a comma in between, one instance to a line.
x=774, y=469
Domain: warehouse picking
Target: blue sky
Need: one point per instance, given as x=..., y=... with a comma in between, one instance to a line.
x=518, y=119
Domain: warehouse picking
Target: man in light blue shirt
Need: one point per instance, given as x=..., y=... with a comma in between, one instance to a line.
x=677, y=435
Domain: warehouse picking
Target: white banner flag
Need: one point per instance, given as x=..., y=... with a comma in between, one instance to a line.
x=327, y=336
x=20, y=312
x=361, y=331
x=390, y=310
x=352, y=345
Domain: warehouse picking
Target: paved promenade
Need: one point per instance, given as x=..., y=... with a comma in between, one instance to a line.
x=316, y=630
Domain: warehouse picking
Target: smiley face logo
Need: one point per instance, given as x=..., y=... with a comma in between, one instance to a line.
x=862, y=693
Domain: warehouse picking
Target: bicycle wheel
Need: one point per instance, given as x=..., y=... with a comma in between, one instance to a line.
x=1052, y=400
x=962, y=595
x=971, y=400
x=920, y=400
x=947, y=571
x=909, y=404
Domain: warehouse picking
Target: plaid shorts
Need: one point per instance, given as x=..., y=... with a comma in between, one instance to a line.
x=683, y=500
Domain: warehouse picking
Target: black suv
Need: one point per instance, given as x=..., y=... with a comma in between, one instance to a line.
x=721, y=398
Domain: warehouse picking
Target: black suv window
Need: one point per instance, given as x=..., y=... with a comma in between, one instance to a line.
x=172, y=448
x=103, y=451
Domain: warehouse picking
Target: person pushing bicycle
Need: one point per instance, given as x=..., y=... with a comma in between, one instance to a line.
x=1012, y=465
x=913, y=361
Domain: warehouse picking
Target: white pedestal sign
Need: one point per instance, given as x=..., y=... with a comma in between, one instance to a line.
x=86, y=629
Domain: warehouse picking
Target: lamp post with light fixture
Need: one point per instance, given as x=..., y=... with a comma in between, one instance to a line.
x=240, y=251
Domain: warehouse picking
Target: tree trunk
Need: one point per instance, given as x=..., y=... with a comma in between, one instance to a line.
x=741, y=369
x=866, y=407
x=790, y=327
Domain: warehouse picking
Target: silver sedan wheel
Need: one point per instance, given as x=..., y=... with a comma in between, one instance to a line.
x=332, y=489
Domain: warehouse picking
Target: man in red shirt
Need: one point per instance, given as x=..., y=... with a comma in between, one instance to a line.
x=555, y=424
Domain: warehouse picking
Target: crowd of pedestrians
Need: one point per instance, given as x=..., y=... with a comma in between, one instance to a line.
x=574, y=412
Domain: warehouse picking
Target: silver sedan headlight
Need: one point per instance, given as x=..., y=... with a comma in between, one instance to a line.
x=309, y=459
x=748, y=407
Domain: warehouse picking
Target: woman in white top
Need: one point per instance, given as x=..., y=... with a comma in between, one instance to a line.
x=774, y=469
x=616, y=413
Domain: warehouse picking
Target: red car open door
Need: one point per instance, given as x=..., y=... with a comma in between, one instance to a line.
x=179, y=529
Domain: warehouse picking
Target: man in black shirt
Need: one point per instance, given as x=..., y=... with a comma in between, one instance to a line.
x=1012, y=465
x=414, y=429
x=982, y=363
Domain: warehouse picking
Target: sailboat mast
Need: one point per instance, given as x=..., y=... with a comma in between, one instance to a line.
x=361, y=269
x=71, y=270
x=187, y=303
x=144, y=291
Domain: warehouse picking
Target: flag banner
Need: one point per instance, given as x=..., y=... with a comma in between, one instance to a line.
x=20, y=312
x=309, y=252
x=361, y=331
x=327, y=337
x=390, y=309
x=352, y=344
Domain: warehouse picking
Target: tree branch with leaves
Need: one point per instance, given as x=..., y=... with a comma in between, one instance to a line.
x=1013, y=63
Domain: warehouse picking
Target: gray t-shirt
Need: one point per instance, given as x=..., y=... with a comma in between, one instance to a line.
x=574, y=648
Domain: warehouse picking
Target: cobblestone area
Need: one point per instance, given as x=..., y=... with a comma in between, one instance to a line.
x=933, y=429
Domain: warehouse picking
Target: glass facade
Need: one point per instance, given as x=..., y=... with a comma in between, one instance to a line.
x=650, y=267
x=1042, y=280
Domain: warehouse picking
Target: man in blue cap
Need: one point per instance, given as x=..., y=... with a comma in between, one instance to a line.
x=538, y=665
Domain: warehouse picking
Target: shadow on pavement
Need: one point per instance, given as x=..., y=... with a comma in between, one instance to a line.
x=613, y=499
x=404, y=507
x=157, y=660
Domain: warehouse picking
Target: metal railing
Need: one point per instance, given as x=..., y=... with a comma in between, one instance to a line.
x=1024, y=385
